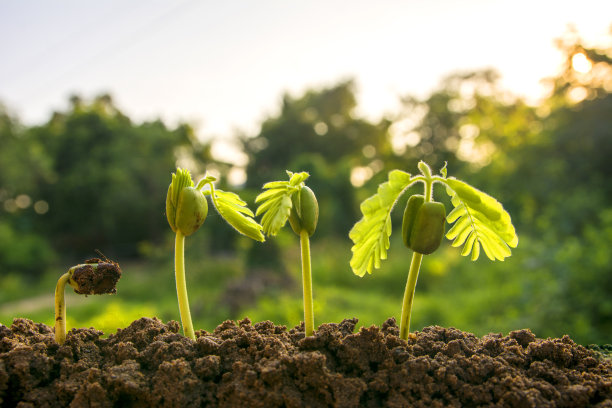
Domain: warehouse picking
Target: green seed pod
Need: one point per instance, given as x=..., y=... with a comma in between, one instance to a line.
x=428, y=228
x=412, y=207
x=186, y=206
x=304, y=213
x=191, y=211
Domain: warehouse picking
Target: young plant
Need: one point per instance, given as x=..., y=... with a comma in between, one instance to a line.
x=94, y=277
x=292, y=200
x=479, y=220
x=186, y=210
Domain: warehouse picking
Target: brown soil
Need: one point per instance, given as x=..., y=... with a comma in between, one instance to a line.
x=150, y=364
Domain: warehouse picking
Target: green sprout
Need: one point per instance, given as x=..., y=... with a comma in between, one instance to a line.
x=479, y=220
x=94, y=277
x=186, y=210
x=292, y=200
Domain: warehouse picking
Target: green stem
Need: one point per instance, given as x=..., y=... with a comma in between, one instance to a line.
x=60, y=308
x=181, y=285
x=307, y=283
x=413, y=274
x=428, y=189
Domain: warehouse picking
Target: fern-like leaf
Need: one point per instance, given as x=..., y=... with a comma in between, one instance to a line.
x=371, y=234
x=237, y=214
x=275, y=203
x=480, y=221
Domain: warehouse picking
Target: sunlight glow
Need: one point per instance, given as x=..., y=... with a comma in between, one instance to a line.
x=581, y=64
x=41, y=207
x=359, y=175
x=237, y=176
x=577, y=94
x=320, y=128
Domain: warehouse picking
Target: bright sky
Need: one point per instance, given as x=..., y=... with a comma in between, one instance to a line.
x=223, y=65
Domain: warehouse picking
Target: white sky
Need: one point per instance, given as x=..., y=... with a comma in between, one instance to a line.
x=222, y=65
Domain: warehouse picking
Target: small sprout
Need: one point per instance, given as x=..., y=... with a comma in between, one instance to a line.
x=186, y=210
x=94, y=277
x=292, y=200
x=480, y=221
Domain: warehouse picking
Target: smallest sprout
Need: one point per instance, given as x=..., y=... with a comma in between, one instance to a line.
x=94, y=277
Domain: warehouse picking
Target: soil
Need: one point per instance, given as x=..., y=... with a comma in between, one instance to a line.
x=150, y=364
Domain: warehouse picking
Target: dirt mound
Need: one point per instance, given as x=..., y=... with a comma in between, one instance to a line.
x=263, y=365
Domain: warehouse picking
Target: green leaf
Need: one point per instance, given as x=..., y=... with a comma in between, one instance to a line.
x=370, y=235
x=237, y=214
x=480, y=221
x=275, y=202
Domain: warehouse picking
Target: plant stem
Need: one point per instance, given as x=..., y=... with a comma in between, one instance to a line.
x=60, y=308
x=307, y=283
x=413, y=274
x=181, y=285
x=428, y=189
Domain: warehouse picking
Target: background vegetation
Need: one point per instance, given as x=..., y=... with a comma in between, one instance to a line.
x=90, y=178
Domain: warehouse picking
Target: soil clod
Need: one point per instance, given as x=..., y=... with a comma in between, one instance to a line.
x=96, y=278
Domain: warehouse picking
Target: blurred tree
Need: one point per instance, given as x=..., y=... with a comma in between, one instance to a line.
x=564, y=172
x=469, y=122
x=109, y=177
x=22, y=164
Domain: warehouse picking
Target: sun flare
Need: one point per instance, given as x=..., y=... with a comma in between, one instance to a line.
x=581, y=64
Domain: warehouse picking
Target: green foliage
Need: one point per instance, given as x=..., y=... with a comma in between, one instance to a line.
x=234, y=210
x=480, y=221
x=322, y=121
x=275, y=203
x=106, y=178
x=24, y=252
x=371, y=234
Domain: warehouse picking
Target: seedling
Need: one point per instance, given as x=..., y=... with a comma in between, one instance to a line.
x=94, y=277
x=479, y=220
x=186, y=210
x=292, y=200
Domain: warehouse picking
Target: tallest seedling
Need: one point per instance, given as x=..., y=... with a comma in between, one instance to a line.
x=479, y=220
x=186, y=209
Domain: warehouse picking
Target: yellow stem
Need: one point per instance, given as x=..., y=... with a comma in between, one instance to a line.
x=60, y=307
x=413, y=274
x=307, y=283
x=181, y=285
